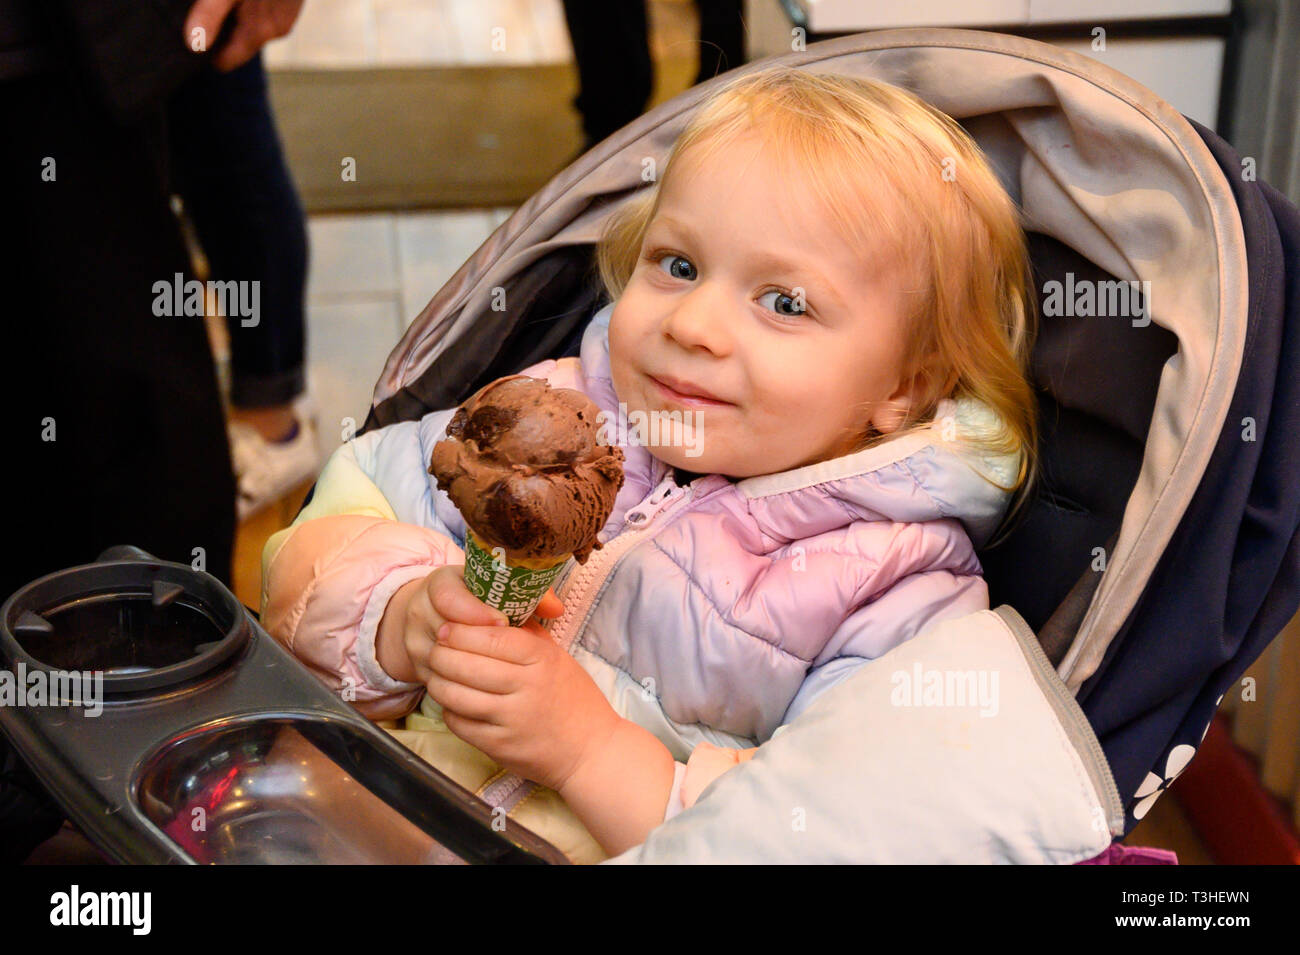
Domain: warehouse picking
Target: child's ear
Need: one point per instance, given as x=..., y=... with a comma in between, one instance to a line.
x=888, y=415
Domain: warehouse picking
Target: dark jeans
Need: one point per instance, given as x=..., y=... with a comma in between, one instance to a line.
x=612, y=50
x=116, y=433
x=722, y=37
x=228, y=166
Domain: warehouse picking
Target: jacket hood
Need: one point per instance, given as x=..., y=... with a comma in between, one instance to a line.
x=931, y=473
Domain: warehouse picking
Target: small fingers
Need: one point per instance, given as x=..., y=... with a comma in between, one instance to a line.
x=535, y=628
x=474, y=670
x=452, y=600
x=475, y=732
x=422, y=623
x=464, y=700
x=508, y=644
x=550, y=605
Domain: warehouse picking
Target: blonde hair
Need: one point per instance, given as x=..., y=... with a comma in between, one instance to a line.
x=858, y=141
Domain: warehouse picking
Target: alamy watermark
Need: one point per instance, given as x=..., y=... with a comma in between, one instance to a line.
x=1086, y=298
x=76, y=907
x=242, y=300
x=946, y=688
x=655, y=429
x=41, y=687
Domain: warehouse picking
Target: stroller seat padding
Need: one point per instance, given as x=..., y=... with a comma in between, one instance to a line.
x=1090, y=443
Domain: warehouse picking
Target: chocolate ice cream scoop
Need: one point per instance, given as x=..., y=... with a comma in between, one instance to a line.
x=522, y=464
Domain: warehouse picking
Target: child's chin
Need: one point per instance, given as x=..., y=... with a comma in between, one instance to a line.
x=678, y=458
x=670, y=456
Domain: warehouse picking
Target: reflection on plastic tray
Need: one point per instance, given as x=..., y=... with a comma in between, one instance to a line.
x=265, y=792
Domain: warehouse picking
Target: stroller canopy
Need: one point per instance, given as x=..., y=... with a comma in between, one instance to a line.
x=1158, y=555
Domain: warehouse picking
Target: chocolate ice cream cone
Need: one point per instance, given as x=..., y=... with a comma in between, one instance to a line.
x=525, y=466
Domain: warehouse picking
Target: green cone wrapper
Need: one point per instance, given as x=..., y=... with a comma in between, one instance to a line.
x=513, y=587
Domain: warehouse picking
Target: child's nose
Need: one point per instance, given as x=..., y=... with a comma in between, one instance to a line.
x=699, y=320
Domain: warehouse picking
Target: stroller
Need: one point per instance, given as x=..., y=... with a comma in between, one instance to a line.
x=1158, y=555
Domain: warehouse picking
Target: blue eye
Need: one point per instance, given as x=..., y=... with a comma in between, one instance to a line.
x=785, y=304
x=689, y=270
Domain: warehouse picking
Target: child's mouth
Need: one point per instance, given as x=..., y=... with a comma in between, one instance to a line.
x=691, y=400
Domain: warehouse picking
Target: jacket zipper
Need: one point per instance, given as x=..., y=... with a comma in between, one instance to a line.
x=579, y=587
x=582, y=583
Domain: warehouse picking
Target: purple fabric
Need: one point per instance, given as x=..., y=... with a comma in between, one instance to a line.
x=1117, y=854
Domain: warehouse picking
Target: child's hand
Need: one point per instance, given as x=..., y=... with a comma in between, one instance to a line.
x=517, y=696
x=441, y=597
x=414, y=614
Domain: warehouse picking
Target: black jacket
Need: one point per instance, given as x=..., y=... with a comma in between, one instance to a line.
x=131, y=53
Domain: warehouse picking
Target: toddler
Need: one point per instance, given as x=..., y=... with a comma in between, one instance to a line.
x=825, y=294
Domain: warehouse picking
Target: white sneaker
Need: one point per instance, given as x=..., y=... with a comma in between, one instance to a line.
x=266, y=470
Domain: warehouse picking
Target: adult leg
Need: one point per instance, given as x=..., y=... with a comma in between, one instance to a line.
x=118, y=435
x=116, y=429
x=722, y=37
x=615, y=74
x=229, y=167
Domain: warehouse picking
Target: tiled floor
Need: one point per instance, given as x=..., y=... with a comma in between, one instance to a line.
x=370, y=275
x=407, y=32
x=349, y=34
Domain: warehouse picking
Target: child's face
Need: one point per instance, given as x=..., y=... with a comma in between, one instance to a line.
x=711, y=306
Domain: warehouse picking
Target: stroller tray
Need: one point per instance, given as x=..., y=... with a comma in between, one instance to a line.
x=172, y=728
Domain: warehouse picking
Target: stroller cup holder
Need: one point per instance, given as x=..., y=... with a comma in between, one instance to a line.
x=172, y=728
x=146, y=625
